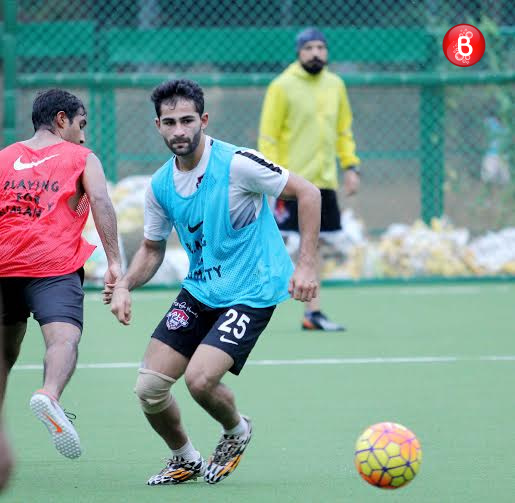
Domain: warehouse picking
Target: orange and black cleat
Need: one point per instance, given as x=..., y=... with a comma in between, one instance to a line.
x=227, y=455
x=178, y=470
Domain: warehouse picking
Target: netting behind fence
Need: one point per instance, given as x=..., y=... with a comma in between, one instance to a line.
x=389, y=132
x=430, y=147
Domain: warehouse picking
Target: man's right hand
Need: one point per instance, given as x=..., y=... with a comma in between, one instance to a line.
x=121, y=304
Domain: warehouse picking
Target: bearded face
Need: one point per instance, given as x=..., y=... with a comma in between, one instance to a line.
x=181, y=126
x=313, y=56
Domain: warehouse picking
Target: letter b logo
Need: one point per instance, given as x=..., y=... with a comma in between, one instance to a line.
x=464, y=41
x=463, y=45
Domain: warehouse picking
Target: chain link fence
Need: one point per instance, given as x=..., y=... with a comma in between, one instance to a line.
x=436, y=141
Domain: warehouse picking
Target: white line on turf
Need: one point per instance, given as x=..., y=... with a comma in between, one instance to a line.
x=498, y=358
x=311, y=361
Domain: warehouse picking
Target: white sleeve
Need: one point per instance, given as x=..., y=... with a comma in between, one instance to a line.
x=157, y=226
x=252, y=172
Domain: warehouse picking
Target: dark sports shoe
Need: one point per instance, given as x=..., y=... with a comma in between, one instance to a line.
x=318, y=321
x=227, y=455
x=178, y=470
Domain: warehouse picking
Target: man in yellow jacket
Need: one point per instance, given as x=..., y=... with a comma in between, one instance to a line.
x=305, y=125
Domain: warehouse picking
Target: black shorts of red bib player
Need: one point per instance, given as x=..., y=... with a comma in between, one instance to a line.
x=48, y=184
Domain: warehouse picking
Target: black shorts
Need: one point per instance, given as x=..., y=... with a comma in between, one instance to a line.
x=235, y=330
x=57, y=298
x=287, y=216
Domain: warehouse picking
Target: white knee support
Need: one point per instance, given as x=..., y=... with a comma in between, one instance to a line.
x=153, y=390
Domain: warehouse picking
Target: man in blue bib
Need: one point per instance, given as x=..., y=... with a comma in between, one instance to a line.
x=215, y=196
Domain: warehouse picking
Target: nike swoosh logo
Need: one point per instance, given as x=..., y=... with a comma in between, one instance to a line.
x=223, y=339
x=18, y=165
x=58, y=429
x=195, y=227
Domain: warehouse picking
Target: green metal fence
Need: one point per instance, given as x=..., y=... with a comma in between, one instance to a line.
x=425, y=130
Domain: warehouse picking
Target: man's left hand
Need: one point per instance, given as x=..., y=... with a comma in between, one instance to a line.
x=350, y=182
x=303, y=284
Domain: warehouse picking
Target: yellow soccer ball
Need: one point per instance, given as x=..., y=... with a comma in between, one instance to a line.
x=388, y=455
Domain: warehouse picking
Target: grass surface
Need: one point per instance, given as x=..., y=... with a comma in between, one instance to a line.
x=308, y=409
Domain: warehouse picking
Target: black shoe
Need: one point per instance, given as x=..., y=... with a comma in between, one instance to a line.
x=318, y=321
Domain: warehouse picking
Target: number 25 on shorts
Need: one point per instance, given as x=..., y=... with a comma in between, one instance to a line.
x=236, y=325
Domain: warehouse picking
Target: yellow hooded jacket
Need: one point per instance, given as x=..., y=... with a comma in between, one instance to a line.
x=306, y=123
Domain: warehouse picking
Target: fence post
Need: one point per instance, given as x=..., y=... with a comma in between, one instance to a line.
x=9, y=56
x=92, y=135
x=432, y=136
x=108, y=136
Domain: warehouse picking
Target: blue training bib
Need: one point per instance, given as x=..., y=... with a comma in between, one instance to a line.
x=246, y=266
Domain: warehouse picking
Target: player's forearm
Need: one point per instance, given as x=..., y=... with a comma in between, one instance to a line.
x=345, y=144
x=346, y=150
x=105, y=223
x=309, y=208
x=144, y=265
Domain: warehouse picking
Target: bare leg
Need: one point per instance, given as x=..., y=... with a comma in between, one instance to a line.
x=11, y=351
x=163, y=359
x=6, y=458
x=62, y=343
x=205, y=370
x=13, y=337
x=167, y=424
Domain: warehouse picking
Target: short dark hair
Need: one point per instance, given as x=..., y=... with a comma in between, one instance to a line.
x=173, y=90
x=47, y=104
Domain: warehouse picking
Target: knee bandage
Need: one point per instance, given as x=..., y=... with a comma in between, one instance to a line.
x=153, y=390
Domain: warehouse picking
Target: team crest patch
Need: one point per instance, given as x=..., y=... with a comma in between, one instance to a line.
x=177, y=318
